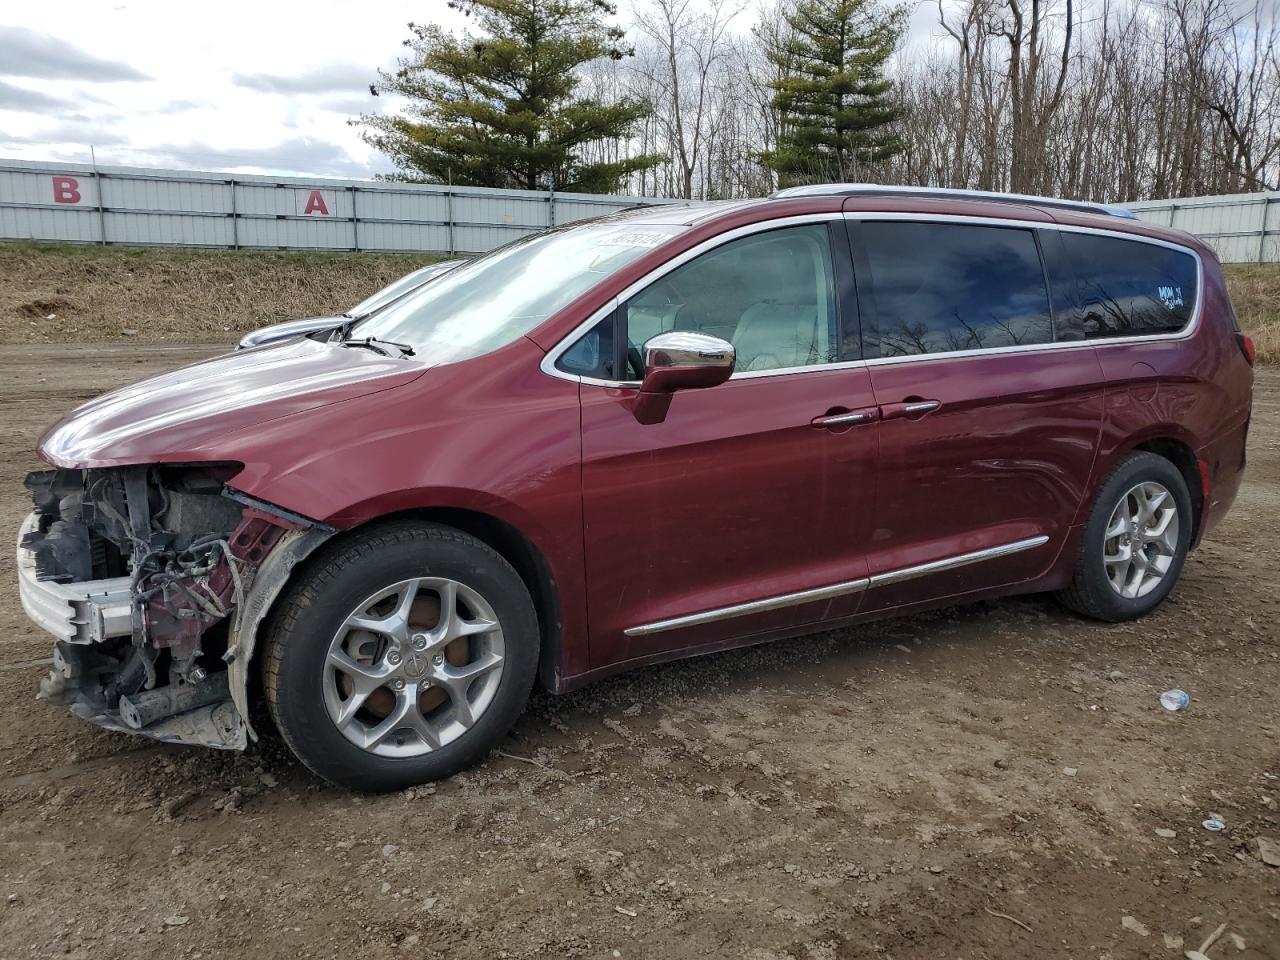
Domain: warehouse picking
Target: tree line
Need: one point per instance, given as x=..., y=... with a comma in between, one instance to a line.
x=1102, y=100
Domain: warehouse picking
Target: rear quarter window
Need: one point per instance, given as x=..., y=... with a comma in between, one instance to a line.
x=1130, y=288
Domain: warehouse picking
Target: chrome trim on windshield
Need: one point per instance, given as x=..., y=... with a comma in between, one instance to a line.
x=835, y=590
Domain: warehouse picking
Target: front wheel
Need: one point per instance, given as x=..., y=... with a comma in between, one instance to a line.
x=402, y=655
x=1135, y=541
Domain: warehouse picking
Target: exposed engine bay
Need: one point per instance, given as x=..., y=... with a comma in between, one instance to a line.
x=145, y=575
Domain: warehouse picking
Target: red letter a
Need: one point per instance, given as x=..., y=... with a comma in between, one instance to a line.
x=315, y=203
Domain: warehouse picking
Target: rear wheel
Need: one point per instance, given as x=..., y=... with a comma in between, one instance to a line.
x=401, y=656
x=1135, y=541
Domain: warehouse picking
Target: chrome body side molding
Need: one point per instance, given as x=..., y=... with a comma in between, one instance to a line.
x=962, y=560
x=754, y=606
x=834, y=590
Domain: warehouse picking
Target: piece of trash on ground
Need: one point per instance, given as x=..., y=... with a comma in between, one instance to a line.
x=1174, y=700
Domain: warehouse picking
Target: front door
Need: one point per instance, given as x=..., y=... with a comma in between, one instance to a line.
x=729, y=519
x=990, y=413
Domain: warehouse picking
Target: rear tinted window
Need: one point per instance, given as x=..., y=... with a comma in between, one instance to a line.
x=939, y=288
x=1130, y=288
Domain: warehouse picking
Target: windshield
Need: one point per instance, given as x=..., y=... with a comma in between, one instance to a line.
x=402, y=286
x=488, y=303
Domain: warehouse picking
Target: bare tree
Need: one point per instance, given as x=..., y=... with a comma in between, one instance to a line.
x=680, y=46
x=1105, y=100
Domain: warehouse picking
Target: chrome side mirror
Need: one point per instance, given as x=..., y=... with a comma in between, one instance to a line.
x=680, y=361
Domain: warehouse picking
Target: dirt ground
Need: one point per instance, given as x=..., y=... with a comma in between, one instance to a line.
x=986, y=781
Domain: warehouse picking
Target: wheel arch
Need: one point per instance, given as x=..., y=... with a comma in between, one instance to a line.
x=523, y=554
x=509, y=542
x=1171, y=444
x=1181, y=455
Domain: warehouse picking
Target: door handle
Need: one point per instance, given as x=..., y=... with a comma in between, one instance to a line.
x=850, y=418
x=908, y=408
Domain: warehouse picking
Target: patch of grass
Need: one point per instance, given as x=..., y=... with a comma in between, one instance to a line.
x=70, y=292
x=1255, y=293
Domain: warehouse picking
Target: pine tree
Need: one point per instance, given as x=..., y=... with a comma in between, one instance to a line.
x=834, y=102
x=498, y=108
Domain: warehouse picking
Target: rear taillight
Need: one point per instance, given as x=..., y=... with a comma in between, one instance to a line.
x=1246, y=347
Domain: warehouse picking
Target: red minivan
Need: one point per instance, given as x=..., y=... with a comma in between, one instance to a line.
x=657, y=434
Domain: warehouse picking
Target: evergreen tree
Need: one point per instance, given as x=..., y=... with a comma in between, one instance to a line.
x=832, y=97
x=498, y=109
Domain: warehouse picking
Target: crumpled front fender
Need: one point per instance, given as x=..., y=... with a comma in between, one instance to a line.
x=271, y=579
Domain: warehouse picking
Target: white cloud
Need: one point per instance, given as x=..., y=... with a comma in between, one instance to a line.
x=329, y=78
x=23, y=99
x=29, y=53
x=240, y=85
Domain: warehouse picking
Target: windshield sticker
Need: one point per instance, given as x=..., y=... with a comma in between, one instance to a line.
x=1171, y=297
x=638, y=239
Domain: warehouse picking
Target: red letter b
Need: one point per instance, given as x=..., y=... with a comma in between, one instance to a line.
x=66, y=190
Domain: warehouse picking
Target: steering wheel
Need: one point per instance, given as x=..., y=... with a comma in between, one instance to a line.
x=635, y=362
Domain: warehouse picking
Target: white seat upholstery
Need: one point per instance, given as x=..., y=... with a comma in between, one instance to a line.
x=774, y=335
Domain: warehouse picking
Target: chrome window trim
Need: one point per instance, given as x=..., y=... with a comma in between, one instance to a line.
x=834, y=590
x=548, y=364
x=1189, y=330
x=549, y=359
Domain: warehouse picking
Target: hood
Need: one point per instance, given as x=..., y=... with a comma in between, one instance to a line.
x=179, y=416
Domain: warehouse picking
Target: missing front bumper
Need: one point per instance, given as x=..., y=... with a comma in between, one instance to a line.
x=87, y=612
x=168, y=664
x=198, y=715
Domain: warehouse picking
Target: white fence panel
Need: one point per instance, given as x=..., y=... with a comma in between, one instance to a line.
x=1241, y=227
x=50, y=201
x=135, y=205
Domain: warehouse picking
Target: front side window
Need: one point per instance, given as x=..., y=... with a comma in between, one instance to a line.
x=594, y=354
x=1130, y=288
x=492, y=301
x=939, y=288
x=769, y=294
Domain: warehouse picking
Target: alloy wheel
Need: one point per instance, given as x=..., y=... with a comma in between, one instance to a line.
x=413, y=667
x=1141, y=540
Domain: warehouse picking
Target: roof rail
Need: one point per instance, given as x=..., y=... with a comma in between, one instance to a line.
x=943, y=193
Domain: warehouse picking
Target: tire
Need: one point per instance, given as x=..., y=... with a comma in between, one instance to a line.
x=1110, y=590
x=331, y=685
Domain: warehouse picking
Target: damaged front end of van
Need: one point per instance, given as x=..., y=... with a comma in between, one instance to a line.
x=153, y=580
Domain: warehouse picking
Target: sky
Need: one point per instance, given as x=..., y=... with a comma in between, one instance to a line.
x=265, y=87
